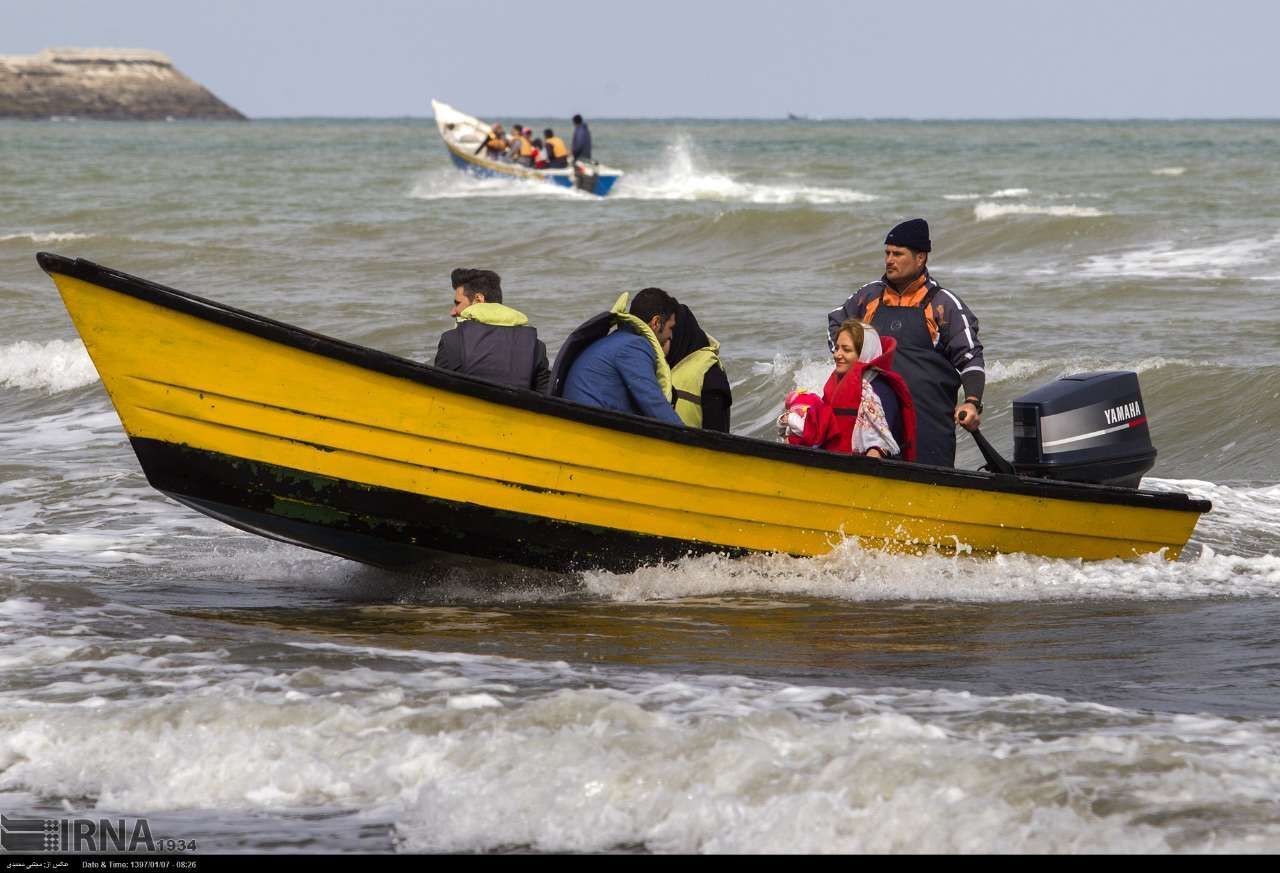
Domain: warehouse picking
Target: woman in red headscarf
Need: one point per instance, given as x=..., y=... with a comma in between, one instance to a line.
x=865, y=407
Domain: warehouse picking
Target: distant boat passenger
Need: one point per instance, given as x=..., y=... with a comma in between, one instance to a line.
x=495, y=143
x=540, y=161
x=581, y=139
x=521, y=150
x=557, y=153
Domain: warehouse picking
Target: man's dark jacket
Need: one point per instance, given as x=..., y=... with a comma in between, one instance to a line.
x=506, y=354
x=582, y=142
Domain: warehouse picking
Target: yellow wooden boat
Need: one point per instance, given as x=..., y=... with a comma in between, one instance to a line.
x=352, y=451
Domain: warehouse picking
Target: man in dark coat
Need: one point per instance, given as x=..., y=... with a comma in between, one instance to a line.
x=938, y=350
x=581, y=139
x=492, y=341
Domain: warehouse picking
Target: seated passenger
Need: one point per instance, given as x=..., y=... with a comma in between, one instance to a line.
x=491, y=341
x=494, y=144
x=539, y=159
x=557, y=152
x=520, y=150
x=625, y=370
x=703, y=396
x=865, y=408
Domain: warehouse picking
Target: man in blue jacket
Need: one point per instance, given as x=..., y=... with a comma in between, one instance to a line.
x=627, y=370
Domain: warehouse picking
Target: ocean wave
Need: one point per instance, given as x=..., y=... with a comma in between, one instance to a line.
x=1169, y=171
x=682, y=177
x=472, y=753
x=1058, y=368
x=54, y=366
x=1001, y=194
x=1242, y=516
x=44, y=238
x=989, y=211
x=1164, y=260
x=808, y=371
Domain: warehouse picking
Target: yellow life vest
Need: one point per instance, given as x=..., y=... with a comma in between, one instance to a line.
x=661, y=368
x=555, y=145
x=687, y=377
x=493, y=313
x=526, y=149
x=496, y=143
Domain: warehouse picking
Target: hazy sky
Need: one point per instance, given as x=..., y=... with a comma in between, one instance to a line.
x=699, y=58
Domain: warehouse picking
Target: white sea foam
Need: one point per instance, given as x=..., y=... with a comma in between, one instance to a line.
x=852, y=573
x=1239, y=512
x=76, y=430
x=1001, y=194
x=57, y=365
x=466, y=753
x=1165, y=260
x=683, y=176
x=989, y=211
x=1169, y=171
x=44, y=238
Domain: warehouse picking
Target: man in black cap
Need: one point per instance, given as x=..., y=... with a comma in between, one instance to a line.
x=938, y=346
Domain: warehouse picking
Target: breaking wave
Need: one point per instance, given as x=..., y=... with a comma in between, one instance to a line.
x=1164, y=260
x=54, y=366
x=44, y=238
x=682, y=177
x=989, y=211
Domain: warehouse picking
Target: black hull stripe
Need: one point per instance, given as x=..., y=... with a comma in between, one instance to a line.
x=382, y=362
x=386, y=527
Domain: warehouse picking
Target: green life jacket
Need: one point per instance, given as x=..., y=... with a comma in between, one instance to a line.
x=493, y=313
x=661, y=369
x=687, y=378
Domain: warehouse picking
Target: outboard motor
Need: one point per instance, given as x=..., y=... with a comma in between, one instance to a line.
x=585, y=174
x=1091, y=427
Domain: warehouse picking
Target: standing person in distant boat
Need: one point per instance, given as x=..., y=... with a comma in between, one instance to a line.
x=557, y=153
x=492, y=341
x=698, y=379
x=581, y=139
x=938, y=350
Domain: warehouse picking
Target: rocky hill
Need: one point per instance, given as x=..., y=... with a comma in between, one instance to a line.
x=118, y=84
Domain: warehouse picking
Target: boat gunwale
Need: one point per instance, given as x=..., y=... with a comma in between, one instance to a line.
x=530, y=401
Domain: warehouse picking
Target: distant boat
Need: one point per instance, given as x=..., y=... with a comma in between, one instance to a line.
x=791, y=116
x=463, y=136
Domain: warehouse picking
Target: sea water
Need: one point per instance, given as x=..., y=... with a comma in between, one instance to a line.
x=253, y=696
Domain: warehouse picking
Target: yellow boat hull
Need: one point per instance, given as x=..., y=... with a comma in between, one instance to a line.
x=359, y=453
